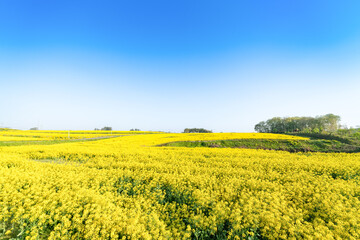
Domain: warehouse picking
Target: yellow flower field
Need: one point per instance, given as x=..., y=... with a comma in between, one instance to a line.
x=128, y=187
x=36, y=135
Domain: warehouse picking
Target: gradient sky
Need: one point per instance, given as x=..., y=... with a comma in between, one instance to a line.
x=168, y=65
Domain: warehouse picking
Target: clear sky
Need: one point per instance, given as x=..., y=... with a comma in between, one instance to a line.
x=167, y=65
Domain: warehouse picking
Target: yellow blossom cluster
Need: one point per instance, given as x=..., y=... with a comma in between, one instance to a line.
x=130, y=187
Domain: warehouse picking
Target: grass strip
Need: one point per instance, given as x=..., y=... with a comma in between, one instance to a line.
x=319, y=145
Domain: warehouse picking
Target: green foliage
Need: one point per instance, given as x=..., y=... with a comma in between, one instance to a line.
x=353, y=133
x=325, y=136
x=313, y=145
x=196, y=130
x=325, y=123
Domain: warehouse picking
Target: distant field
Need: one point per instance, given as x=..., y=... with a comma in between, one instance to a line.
x=36, y=135
x=126, y=185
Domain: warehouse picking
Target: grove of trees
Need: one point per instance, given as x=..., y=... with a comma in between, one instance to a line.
x=104, y=129
x=326, y=123
x=196, y=130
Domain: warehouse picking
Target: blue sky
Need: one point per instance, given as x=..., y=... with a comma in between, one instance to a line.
x=168, y=65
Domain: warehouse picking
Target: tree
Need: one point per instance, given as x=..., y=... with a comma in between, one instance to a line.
x=331, y=122
x=106, y=129
x=261, y=127
x=276, y=125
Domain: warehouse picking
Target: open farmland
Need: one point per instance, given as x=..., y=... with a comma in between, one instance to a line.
x=131, y=186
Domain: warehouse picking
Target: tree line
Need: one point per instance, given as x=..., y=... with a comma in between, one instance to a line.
x=325, y=123
x=196, y=130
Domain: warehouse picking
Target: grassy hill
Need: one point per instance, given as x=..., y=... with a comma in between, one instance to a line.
x=316, y=143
